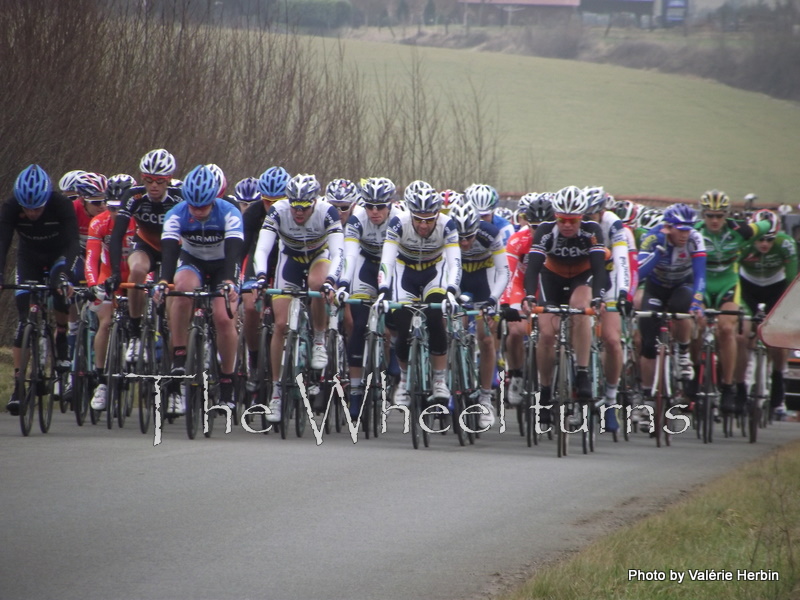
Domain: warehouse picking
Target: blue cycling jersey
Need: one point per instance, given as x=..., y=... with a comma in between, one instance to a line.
x=204, y=239
x=505, y=228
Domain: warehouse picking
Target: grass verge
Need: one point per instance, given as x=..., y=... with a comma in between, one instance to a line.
x=748, y=521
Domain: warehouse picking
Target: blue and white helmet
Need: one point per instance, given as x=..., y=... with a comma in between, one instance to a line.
x=32, y=188
x=247, y=190
x=420, y=197
x=680, y=216
x=341, y=192
x=378, y=190
x=595, y=198
x=570, y=201
x=302, y=189
x=466, y=218
x=272, y=182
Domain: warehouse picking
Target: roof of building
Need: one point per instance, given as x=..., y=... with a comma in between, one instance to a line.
x=543, y=3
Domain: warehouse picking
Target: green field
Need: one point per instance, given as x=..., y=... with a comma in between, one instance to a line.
x=635, y=132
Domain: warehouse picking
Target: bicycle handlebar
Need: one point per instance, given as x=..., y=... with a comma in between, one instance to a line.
x=204, y=293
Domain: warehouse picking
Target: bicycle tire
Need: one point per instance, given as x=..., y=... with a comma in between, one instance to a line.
x=710, y=394
x=26, y=386
x=415, y=392
x=530, y=386
x=210, y=385
x=125, y=385
x=328, y=386
x=287, y=385
x=456, y=385
x=195, y=365
x=298, y=406
x=263, y=393
x=46, y=389
x=113, y=369
x=80, y=374
x=146, y=386
x=562, y=393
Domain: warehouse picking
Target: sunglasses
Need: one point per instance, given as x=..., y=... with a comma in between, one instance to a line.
x=300, y=207
x=714, y=215
x=418, y=219
x=159, y=180
x=468, y=236
x=271, y=198
x=569, y=220
x=767, y=238
x=344, y=208
x=96, y=202
x=375, y=206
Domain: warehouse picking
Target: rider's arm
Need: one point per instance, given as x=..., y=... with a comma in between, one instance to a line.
x=170, y=244
x=748, y=230
x=121, y=222
x=789, y=251
x=69, y=226
x=698, y=253
x=619, y=256
x=9, y=215
x=632, y=261
x=536, y=257
x=389, y=254
x=94, y=252
x=335, y=239
x=266, y=241
x=452, y=255
x=502, y=273
x=234, y=240
x=650, y=253
x=352, y=233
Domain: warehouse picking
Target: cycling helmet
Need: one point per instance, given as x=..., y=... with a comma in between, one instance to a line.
x=32, y=188
x=448, y=197
x=611, y=202
x=627, y=211
x=158, y=162
x=766, y=215
x=67, y=181
x=176, y=183
x=200, y=186
x=715, y=200
x=117, y=186
x=420, y=197
x=247, y=190
x=649, y=218
x=570, y=201
x=525, y=201
x=483, y=196
x=220, y=177
x=539, y=210
x=680, y=216
x=91, y=185
x=341, y=192
x=504, y=213
x=377, y=190
x=466, y=218
x=273, y=182
x=302, y=189
x=595, y=199
x=784, y=209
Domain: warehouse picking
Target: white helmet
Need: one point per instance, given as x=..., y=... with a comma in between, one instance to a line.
x=483, y=196
x=158, y=162
x=420, y=197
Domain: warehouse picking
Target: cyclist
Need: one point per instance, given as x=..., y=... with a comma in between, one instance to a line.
x=672, y=266
x=421, y=260
x=618, y=289
x=566, y=265
x=365, y=235
x=342, y=193
x=485, y=277
x=448, y=197
x=311, y=256
x=539, y=208
x=485, y=198
x=147, y=205
x=246, y=192
x=201, y=243
x=48, y=242
x=724, y=239
x=67, y=184
x=98, y=268
x=767, y=267
x=271, y=188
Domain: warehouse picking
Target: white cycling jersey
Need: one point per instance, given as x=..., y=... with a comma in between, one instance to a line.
x=322, y=229
x=405, y=246
x=617, y=241
x=363, y=238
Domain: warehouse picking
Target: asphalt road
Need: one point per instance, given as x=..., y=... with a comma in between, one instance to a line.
x=91, y=513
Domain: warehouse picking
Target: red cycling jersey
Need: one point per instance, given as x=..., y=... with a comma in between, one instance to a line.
x=83, y=220
x=519, y=244
x=97, y=256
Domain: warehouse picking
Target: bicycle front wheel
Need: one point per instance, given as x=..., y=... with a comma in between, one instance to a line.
x=47, y=374
x=195, y=365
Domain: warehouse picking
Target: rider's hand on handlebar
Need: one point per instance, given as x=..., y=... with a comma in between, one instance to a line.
x=528, y=304
x=328, y=290
x=342, y=295
x=624, y=306
x=383, y=300
x=229, y=287
x=450, y=304
x=99, y=292
x=159, y=291
x=112, y=283
x=490, y=307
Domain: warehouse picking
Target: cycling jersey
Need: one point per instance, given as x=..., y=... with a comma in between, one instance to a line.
x=484, y=265
x=363, y=244
x=53, y=234
x=505, y=227
x=406, y=248
x=84, y=219
x=517, y=250
x=218, y=238
x=676, y=265
x=98, y=265
x=303, y=243
x=778, y=264
x=149, y=217
x=618, y=267
x=567, y=257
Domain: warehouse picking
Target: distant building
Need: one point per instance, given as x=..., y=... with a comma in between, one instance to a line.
x=639, y=8
x=518, y=12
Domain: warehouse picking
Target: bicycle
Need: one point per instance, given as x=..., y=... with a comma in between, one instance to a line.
x=708, y=379
x=263, y=378
x=666, y=385
x=564, y=399
x=83, y=373
x=530, y=382
x=296, y=360
x=120, y=392
x=597, y=378
x=375, y=365
x=335, y=374
x=202, y=390
x=461, y=372
x=34, y=382
x=758, y=398
x=153, y=357
x=630, y=382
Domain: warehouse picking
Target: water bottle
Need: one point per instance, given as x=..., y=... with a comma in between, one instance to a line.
x=302, y=351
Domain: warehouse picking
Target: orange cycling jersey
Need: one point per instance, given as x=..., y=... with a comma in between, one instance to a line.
x=98, y=266
x=519, y=244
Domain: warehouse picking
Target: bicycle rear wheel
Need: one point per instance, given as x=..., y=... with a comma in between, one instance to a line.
x=709, y=392
x=27, y=379
x=146, y=367
x=563, y=393
x=415, y=390
x=114, y=361
x=530, y=387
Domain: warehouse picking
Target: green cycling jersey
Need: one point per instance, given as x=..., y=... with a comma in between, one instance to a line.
x=779, y=263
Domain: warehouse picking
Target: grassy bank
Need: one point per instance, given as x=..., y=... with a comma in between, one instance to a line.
x=747, y=521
